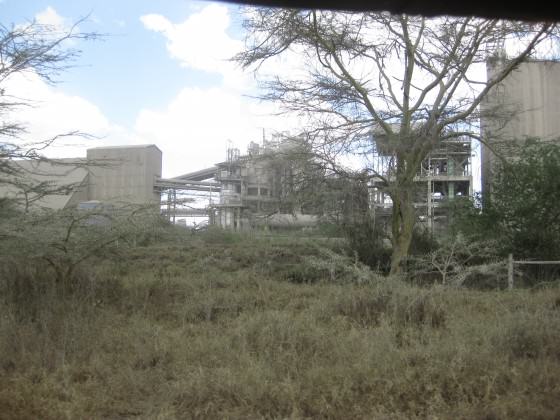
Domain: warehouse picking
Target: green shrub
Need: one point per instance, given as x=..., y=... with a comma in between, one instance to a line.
x=365, y=240
x=485, y=277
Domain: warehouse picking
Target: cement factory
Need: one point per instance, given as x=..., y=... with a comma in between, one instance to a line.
x=248, y=190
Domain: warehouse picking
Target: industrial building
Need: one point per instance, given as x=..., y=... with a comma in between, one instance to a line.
x=122, y=174
x=244, y=191
x=258, y=187
x=255, y=189
x=526, y=104
x=444, y=174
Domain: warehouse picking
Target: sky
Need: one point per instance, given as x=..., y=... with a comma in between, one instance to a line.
x=160, y=74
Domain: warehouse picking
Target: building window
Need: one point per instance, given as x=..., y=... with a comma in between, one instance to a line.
x=252, y=191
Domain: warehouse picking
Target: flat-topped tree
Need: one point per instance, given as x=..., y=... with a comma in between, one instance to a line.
x=409, y=81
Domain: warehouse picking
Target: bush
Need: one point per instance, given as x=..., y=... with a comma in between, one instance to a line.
x=485, y=277
x=366, y=309
x=217, y=235
x=24, y=285
x=525, y=336
x=27, y=288
x=393, y=301
x=366, y=241
x=423, y=242
x=521, y=214
x=212, y=331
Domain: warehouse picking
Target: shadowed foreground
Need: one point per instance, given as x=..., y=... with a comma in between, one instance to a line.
x=220, y=326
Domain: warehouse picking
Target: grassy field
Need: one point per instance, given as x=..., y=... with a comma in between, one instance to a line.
x=227, y=326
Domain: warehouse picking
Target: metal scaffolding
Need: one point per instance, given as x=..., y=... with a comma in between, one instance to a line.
x=446, y=173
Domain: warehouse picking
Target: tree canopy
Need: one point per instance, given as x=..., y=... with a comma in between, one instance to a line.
x=522, y=213
x=46, y=51
x=525, y=201
x=382, y=85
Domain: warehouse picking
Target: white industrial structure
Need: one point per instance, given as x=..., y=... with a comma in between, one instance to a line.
x=248, y=190
x=114, y=175
x=124, y=173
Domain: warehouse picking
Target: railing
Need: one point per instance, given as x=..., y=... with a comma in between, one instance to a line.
x=511, y=262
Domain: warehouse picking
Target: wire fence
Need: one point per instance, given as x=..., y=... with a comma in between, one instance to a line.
x=511, y=262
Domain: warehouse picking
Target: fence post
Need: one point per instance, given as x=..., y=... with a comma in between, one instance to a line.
x=510, y=271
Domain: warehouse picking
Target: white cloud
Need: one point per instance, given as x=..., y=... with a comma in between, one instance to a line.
x=54, y=26
x=200, y=42
x=51, y=112
x=193, y=131
x=156, y=23
x=58, y=26
x=50, y=17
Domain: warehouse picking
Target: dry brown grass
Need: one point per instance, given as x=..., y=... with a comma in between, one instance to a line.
x=207, y=328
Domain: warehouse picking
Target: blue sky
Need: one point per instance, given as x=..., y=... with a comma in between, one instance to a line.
x=129, y=67
x=159, y=75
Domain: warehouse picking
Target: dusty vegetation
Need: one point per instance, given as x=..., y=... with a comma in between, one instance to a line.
x=220, y=325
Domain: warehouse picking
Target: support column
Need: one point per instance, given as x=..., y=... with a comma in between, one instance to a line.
x=238, y=215
x=174, y=204
x=169, y=205
x=430, y=207
x=451, y=190
x=450, y=166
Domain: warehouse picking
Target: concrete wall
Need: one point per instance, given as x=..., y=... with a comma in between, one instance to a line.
x=69, y=174
x=525, y=104
x=124, y=173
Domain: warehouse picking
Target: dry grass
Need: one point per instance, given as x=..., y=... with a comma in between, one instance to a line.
x=212, y=328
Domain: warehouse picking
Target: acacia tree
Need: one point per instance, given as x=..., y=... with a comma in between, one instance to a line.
x=66, y=239
x=390, y=85
x=46, y=51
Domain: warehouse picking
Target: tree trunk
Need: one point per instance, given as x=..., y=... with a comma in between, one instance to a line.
x=402, y=226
